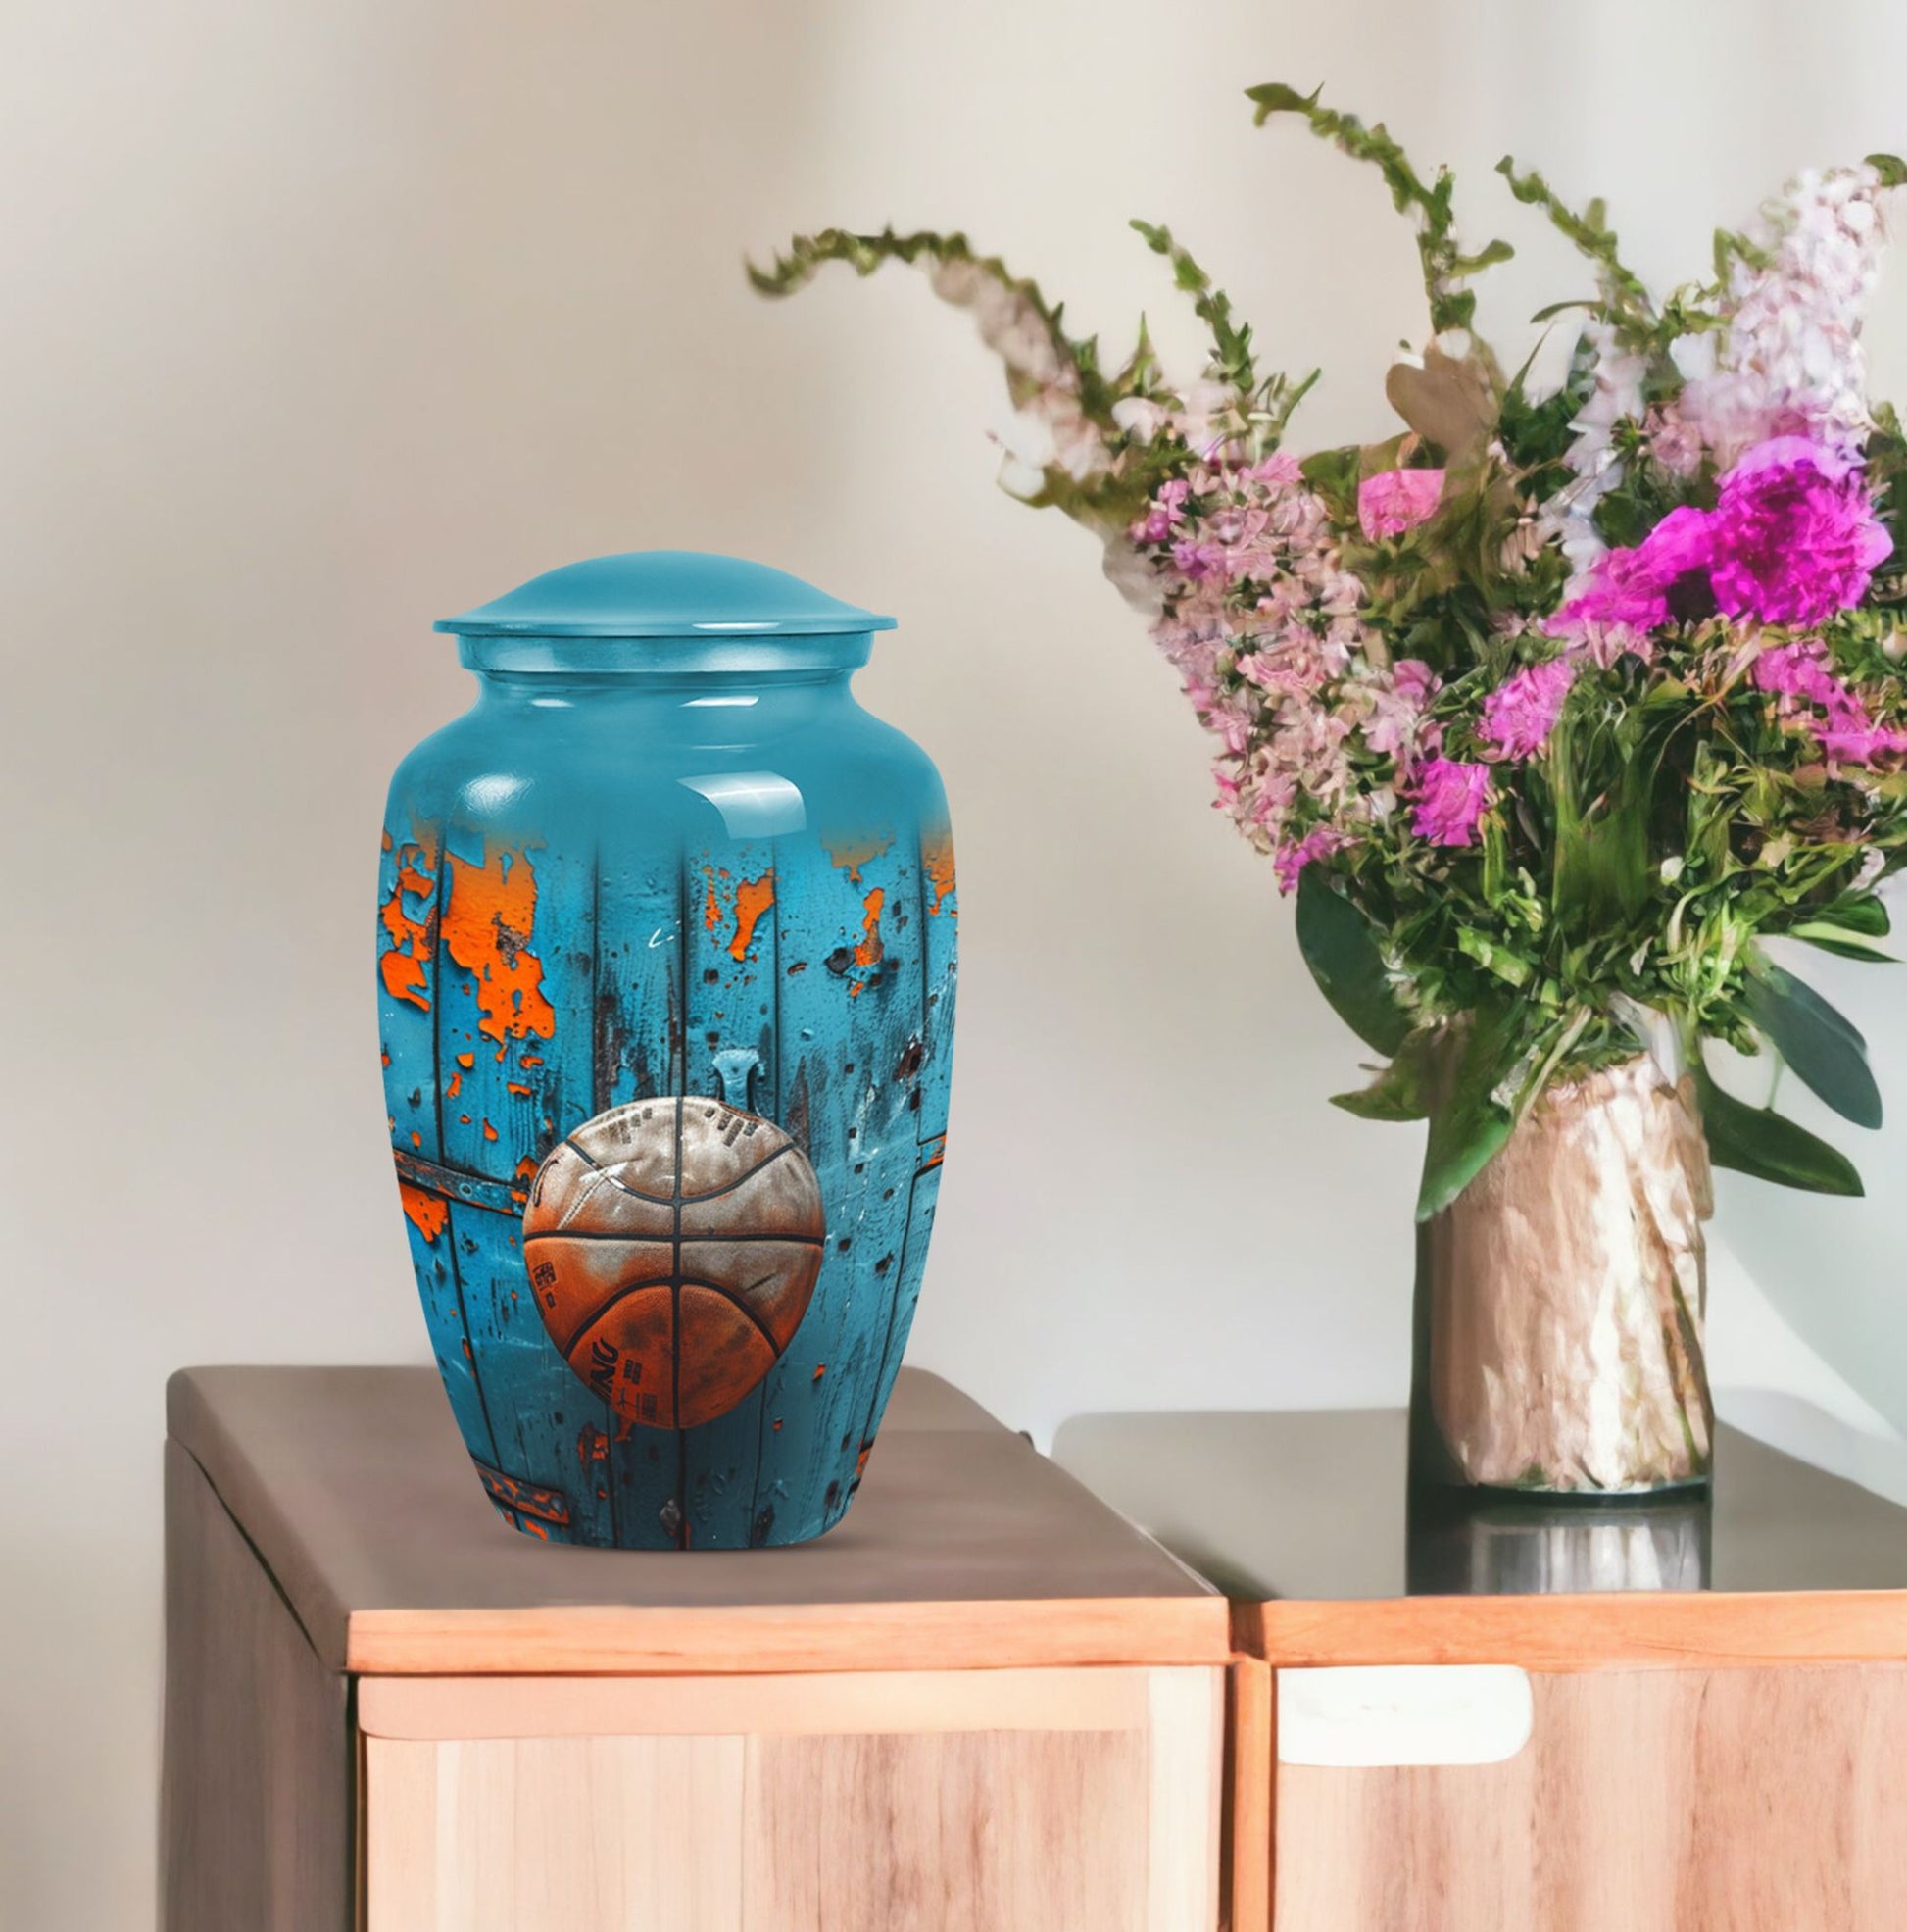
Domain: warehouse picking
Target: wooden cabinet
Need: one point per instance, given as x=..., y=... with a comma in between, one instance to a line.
x=985, y=1702
x=1511, y=1717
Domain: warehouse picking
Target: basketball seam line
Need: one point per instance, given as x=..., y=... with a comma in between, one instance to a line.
x=673, y=1282
x=678, y=1199
x=689, y=1240
x=675, y=1293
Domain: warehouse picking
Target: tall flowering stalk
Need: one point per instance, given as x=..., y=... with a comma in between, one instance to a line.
x=1550, y=706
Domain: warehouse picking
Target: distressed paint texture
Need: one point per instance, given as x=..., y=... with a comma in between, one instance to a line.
x=525, y=988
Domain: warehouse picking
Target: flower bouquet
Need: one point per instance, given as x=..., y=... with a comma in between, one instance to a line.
x=1548, y=709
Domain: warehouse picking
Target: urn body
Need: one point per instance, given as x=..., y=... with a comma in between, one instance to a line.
x=666, y=962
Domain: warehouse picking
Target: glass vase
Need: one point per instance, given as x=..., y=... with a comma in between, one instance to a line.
x=1558, y=1328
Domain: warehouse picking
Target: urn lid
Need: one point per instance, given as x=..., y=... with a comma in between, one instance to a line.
x=665, y=593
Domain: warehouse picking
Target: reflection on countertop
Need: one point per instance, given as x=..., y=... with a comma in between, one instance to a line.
x=1315, y=1504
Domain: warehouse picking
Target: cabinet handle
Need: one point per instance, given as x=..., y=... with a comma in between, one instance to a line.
x=1419, y=1713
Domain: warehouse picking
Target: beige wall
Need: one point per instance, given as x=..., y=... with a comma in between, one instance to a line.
x=320, y=321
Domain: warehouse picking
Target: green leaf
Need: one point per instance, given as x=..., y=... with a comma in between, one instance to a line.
x=1402, y=1091
x=1757, y=1141
x=1834, y=938
x=1556, y=308
x=1824, y=1048
x=1891, y=169
x=1274, y=97
x=1340, y=946
x=1471, y=1124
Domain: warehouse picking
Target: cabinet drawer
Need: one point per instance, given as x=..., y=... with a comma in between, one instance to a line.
x=1656, y=1800
x=997, y=1801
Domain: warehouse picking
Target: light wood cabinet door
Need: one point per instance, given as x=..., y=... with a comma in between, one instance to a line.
x=1749, y=1800
x=992, y=1800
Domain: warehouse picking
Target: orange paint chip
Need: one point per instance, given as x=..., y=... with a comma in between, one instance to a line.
x=455, y=1086
x=404, y=964
x=712, y=908
x=752, y=898
x=427, y=1213
x=852, y=854
x=869, y=952
x=417, y=1141
x=936, y=861
x=821, y=1370
x=466, y=1060
x=516, y=1087
x=488, y=918
x=489, y=1132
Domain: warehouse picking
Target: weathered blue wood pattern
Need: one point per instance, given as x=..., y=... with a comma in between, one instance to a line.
x=809, y=983
x=641, y=908
x=407, y=899
x=939, y=958
x=850, y=1016
x=515, y=1028
x=729, y=890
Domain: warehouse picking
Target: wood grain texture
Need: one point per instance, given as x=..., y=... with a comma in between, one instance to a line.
x=1250, y=1734
x=965, y=1548
x=1638, y=1630
x=1691, y=1801
x=866, y=1703
x=958, y=1635
x=1101, y=1826
x=257, y=1809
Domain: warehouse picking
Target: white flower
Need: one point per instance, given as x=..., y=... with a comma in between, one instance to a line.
x=1790, y=362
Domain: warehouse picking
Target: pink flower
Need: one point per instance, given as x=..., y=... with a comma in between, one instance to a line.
x=1165, y=514
x=1397, y=712
x=1799, y=670
x=1814, y=697
x=1797, y=535
x=1447, y=800
x=1195, y=559
x=1522, y=712
x=1290, y=859
x=1416, y=683
x=1395, y=501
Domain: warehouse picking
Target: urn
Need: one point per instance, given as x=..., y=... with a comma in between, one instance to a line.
x=666, y=986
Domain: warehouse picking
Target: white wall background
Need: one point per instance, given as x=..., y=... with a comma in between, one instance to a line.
x=317, y=321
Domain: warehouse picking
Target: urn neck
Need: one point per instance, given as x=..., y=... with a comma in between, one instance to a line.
x=712, y=706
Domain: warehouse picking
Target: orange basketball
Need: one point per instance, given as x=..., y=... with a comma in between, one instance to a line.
x=673, y=1246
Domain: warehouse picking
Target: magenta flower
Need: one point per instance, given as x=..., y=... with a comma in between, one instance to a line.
x=1447, y=800
x=1292, y=858
x=1398, y=500
x=1793, y=539
x=1853, y=738
x=1522, y=712
x=1797, y=535
x=1632, y=589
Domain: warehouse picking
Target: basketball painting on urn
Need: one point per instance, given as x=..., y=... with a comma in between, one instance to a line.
x=674, y=1247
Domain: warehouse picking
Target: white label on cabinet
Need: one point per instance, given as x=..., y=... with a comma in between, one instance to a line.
x=1419, y=1713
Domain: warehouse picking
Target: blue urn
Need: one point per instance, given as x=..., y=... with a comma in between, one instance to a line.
x=665, y=990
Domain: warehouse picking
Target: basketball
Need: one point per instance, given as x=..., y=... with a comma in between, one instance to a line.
x=672, y=1247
